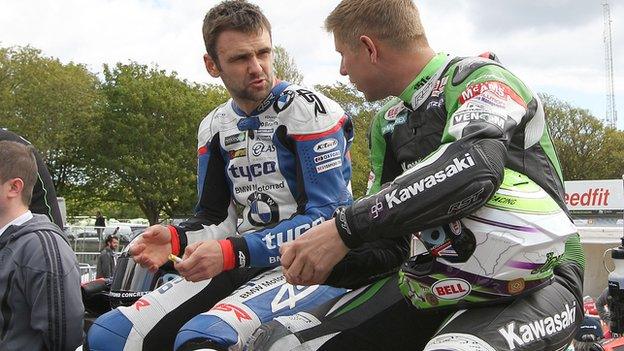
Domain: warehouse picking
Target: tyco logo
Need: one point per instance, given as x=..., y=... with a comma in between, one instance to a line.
x=251, y=171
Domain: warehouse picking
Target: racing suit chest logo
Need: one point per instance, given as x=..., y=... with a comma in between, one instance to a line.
x=252, y=171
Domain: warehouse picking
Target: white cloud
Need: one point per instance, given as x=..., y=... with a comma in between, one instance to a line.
x=555, y=47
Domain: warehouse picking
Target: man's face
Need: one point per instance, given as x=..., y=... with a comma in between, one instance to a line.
x=114, y=244
x=355, y=63
x=245, y=64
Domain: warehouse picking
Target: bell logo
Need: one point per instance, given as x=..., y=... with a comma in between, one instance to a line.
x=140, y=303
x=451, y=289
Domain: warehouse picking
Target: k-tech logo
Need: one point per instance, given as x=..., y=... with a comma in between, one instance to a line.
x=537, y=330
x=397, y=197
x=325, y=145
x=233, y=139
x=273, y=241
x=254, y=170
x=451, y=289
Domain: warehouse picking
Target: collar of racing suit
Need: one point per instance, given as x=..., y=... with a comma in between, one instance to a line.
x=420, y=88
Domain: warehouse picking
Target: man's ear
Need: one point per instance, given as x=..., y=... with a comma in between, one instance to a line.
x=16, y=186
x=211, y=66
x=370, y=47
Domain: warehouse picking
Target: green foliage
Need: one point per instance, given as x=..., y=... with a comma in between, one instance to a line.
x=55, y=106
x=585, y=147
x=285, y=67
x=148, y=138
x=362, y=113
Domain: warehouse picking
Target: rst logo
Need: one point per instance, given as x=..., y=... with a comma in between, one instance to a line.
x=451, y=289
x=251, y=171
x=325, y=145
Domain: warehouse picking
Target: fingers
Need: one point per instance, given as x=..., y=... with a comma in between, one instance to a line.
x=288, y=252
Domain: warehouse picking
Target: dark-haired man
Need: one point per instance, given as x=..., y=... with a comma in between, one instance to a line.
x=281, y=152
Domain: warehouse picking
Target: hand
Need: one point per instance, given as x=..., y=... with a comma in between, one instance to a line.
x=201, y=260
x=310, y=259
x=152, y=248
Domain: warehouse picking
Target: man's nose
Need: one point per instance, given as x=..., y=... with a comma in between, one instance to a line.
x=254, y=65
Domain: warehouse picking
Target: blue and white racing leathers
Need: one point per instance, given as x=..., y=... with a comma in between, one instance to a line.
x=287, y=164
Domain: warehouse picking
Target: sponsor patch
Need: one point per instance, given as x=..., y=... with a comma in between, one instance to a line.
x=497, y=89
x=329, y=165
x=237, y=153
x=451, y=289
x=259, y=148
x=325, y=145
x=233, y=139
x=376, y=209
x=239, y=313
x=515, y=286
x=476, y=115
x=455, y=227
x=439, y=87
x=254, y=170
x=327, y=156
x=393, y=112
x=284, y=100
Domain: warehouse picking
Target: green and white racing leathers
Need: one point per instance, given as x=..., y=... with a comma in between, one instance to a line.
x=464, y=162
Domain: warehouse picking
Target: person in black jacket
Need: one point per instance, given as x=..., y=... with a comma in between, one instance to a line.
x=44, y=195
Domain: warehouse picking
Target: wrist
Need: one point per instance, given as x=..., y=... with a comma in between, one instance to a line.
x=240, y=252
x=174, y=240
x=343, y=227
x=227, y=252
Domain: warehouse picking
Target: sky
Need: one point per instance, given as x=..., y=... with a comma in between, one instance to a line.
x=554, y=46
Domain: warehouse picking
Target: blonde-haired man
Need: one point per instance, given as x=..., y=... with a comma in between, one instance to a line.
x=462, y=158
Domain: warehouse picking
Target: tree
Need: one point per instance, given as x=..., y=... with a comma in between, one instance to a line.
x=362, y=113
x=285, y=67
x=55, y=106
x=148, y=138
x=579, y=139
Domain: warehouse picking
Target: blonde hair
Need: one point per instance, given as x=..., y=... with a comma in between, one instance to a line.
x=396, y=22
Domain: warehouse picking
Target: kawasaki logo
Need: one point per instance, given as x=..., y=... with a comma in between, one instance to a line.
x=536, y=330
x=396, y=197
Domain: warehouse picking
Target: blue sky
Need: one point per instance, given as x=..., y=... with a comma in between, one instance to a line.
x=555, y=46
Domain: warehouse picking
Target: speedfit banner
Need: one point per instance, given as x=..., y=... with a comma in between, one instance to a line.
x=594, y=194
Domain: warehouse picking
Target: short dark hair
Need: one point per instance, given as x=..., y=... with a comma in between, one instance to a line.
x=18, y=161
x=111, y=238
x=236, y=15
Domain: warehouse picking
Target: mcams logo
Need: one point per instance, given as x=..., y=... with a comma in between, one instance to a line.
x=519, y=336
x=398, y=196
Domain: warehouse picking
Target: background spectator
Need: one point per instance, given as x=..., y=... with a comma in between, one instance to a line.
x=42, y=307
x=106, y=260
